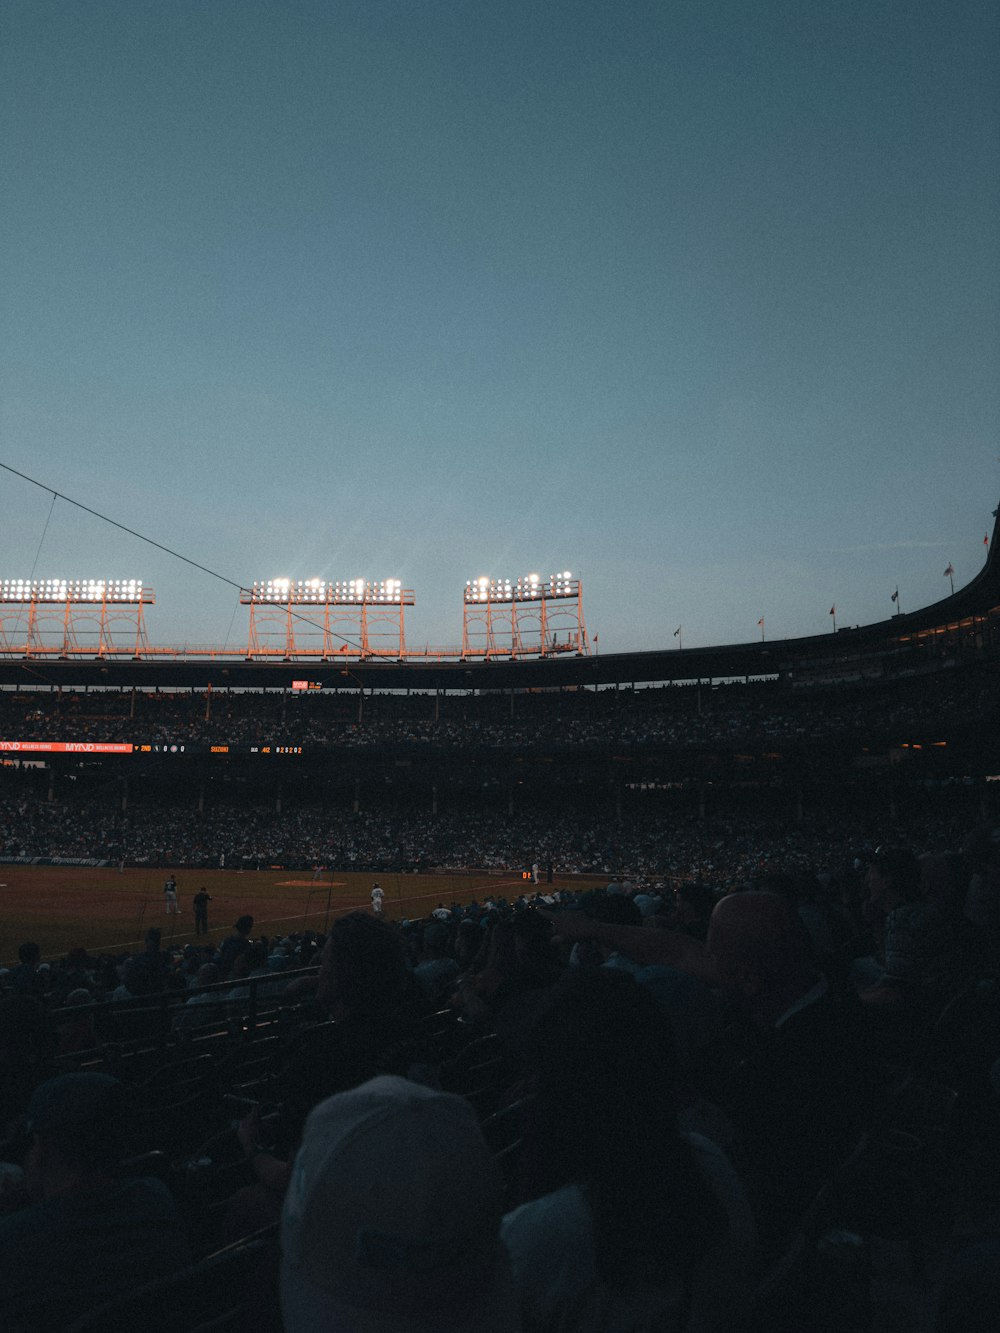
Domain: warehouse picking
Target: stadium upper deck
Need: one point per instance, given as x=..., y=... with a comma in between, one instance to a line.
x=962, y=625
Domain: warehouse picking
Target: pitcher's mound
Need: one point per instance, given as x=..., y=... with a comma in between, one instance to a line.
x=310, y=884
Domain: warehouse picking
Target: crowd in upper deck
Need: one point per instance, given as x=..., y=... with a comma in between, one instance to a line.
x=688, y=716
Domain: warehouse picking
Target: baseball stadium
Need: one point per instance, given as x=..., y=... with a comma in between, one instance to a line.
x=239, y=881
x=499, y=667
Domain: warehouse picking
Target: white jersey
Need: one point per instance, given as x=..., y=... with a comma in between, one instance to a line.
x=377, y=897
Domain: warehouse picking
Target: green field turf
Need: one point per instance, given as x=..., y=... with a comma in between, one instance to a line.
x=60, y=907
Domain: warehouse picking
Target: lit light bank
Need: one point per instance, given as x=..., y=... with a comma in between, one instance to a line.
x=328, y=592
x=528, y=588
x=60, y=591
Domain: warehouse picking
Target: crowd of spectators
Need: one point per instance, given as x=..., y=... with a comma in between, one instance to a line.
x=761, y=713
x=724, y=850
x=581, y=1110
x=576, y=1112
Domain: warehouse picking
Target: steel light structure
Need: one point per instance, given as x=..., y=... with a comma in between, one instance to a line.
x=525, y=616
x=87, y=612
x=324, y=618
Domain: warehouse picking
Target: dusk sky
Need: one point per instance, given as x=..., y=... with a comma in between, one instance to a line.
x=697, y=299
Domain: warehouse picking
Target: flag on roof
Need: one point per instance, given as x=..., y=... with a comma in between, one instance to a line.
x=895, y=596
x=833, y=609
x=949, y=571
x=761, y=621
x=677, y=631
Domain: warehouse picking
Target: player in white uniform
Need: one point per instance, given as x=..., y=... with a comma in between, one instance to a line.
x=377, y=898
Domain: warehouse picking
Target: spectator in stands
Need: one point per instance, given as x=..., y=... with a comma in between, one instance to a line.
x=192, y=958
x=202, y=1005
x=153, y=964
x=253, y=963
x=235, y=943
x=391, y=1221
x=436, y=969
x=649, y=902
x=365, y=985
x=75, y=973
x=615, y=1234
x=520, y=961
x=135, y=982
x=87, y=1234
x=498, y=963
x=26, y=978
x=692, y=909
x=468, y=942
x=76, y=1031
x=913, y=946
x=800, y=1093
x=363, y=970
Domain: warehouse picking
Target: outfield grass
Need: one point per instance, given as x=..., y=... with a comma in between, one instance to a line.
x=60, y=907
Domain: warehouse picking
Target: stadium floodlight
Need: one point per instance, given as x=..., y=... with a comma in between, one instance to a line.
x=54, y=592
x=378, y=592
x=528, y=588
x=322, y=592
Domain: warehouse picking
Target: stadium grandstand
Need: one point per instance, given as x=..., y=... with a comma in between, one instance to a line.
x=749, y=895
x=476, y=763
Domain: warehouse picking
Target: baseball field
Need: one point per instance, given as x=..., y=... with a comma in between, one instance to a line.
x=103, y=909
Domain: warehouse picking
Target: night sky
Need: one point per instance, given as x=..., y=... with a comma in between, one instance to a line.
x=696, y=299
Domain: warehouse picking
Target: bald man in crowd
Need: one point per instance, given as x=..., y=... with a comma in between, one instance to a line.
x=799, y=1091
x=803, y=1093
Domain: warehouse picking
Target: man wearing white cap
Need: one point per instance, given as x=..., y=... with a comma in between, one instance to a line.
x=391, y=1222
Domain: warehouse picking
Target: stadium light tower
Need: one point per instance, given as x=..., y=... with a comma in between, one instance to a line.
x=296, y=618
x=86, y=611
x=528, y=616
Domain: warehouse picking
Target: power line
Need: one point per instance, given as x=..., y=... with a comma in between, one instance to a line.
x=58, y=495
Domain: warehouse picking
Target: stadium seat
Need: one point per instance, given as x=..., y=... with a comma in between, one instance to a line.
x=237, y=1287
